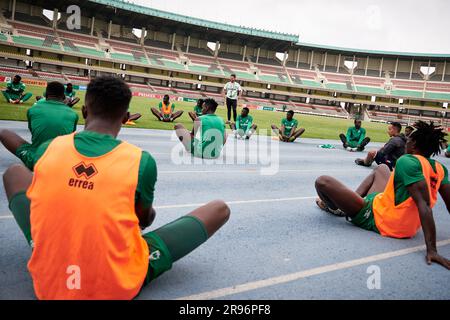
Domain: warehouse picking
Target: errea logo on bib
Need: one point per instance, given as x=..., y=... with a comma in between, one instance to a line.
x=83, y=172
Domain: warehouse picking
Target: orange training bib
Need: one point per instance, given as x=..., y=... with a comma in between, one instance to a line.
x=86, y=235
x=403, y=221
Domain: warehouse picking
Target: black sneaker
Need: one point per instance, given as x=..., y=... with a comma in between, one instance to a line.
x=360, y=162
x=363, y=144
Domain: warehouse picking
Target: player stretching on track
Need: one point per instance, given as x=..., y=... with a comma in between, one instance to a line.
x=397, y=204
x=166, y=111
x=83, y=209
x=288, y=132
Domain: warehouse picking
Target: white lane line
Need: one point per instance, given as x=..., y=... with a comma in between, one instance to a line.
x=214, y=294
x=236, y=202
x=257, y=170
x=189, y=205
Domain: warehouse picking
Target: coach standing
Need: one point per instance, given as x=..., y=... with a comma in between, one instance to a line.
x=232, y=91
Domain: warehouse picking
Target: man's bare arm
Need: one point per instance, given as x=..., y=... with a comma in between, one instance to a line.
x=146, y=216
x=419, y=193
x=444, y=191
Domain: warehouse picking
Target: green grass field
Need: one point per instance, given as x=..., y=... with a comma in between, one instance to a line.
x=316, y=126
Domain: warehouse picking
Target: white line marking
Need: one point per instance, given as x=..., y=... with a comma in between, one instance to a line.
x=257, y=170
x=189, y=205
x=305, y=274
x=235, y=202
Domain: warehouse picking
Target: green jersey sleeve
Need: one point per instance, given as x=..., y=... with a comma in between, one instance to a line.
x=445, y=180
x=408, y=170
x=147, y=180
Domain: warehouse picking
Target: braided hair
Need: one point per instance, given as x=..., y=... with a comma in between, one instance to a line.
x=428, y=138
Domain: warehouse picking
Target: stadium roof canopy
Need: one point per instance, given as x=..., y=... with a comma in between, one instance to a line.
x=137, y=16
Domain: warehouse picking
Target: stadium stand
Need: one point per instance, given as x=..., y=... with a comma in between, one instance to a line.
x=305, y=74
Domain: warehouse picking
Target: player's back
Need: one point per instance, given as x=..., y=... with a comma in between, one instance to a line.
x=49, y=119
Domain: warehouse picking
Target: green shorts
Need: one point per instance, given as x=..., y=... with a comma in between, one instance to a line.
x=167, y=244
x=171, y=242
x=26, y=153
x=365, y=218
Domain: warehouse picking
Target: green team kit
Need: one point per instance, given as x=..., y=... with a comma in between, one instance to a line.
x=244, y=123
x=14, y=91
x=355, y=136
x=408, y=171
x=209, y=139
x=289, y=125
x=47, y=119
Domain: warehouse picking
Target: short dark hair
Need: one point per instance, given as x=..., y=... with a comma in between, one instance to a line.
x=69, y=84
x=200, y=102
x=233, y=75
x=55, y=89
x=108, y=97
x=245, y=108
x=166, y=96
x=18, y=77
x=211, y=103
x=397, y=125
x=429, y=138
x=291, y=112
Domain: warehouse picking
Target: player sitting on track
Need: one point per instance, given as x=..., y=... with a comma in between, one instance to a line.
x=14, y=92
x=208, y=135
x=197, y=110
x=288, y=132
x=85, y=206
x=391, y=151
x=396, y=204
x=356, y=139
x=71, y=100
x=47, y=119
x=166, y=110
x=244, y=127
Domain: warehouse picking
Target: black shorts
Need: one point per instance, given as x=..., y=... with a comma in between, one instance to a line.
x=231, y=103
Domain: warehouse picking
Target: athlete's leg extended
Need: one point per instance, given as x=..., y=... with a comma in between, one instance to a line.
x=184, y=135
x=192, y=115
x=16, y=181
x=251, y=131
x=297, y=134
x=134, y=116
x=157, y=113
x=370, y=158
x=336, y=195
x=374, y=182
x=277, y=132
x=25, y=97
x=73, y=102
x=177, y=114
x=7, y=96
x=175, y=240
x=11, y=140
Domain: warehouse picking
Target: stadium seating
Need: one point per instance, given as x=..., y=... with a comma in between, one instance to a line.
x=35, y=31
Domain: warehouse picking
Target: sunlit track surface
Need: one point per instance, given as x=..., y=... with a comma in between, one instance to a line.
x=275, y=232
